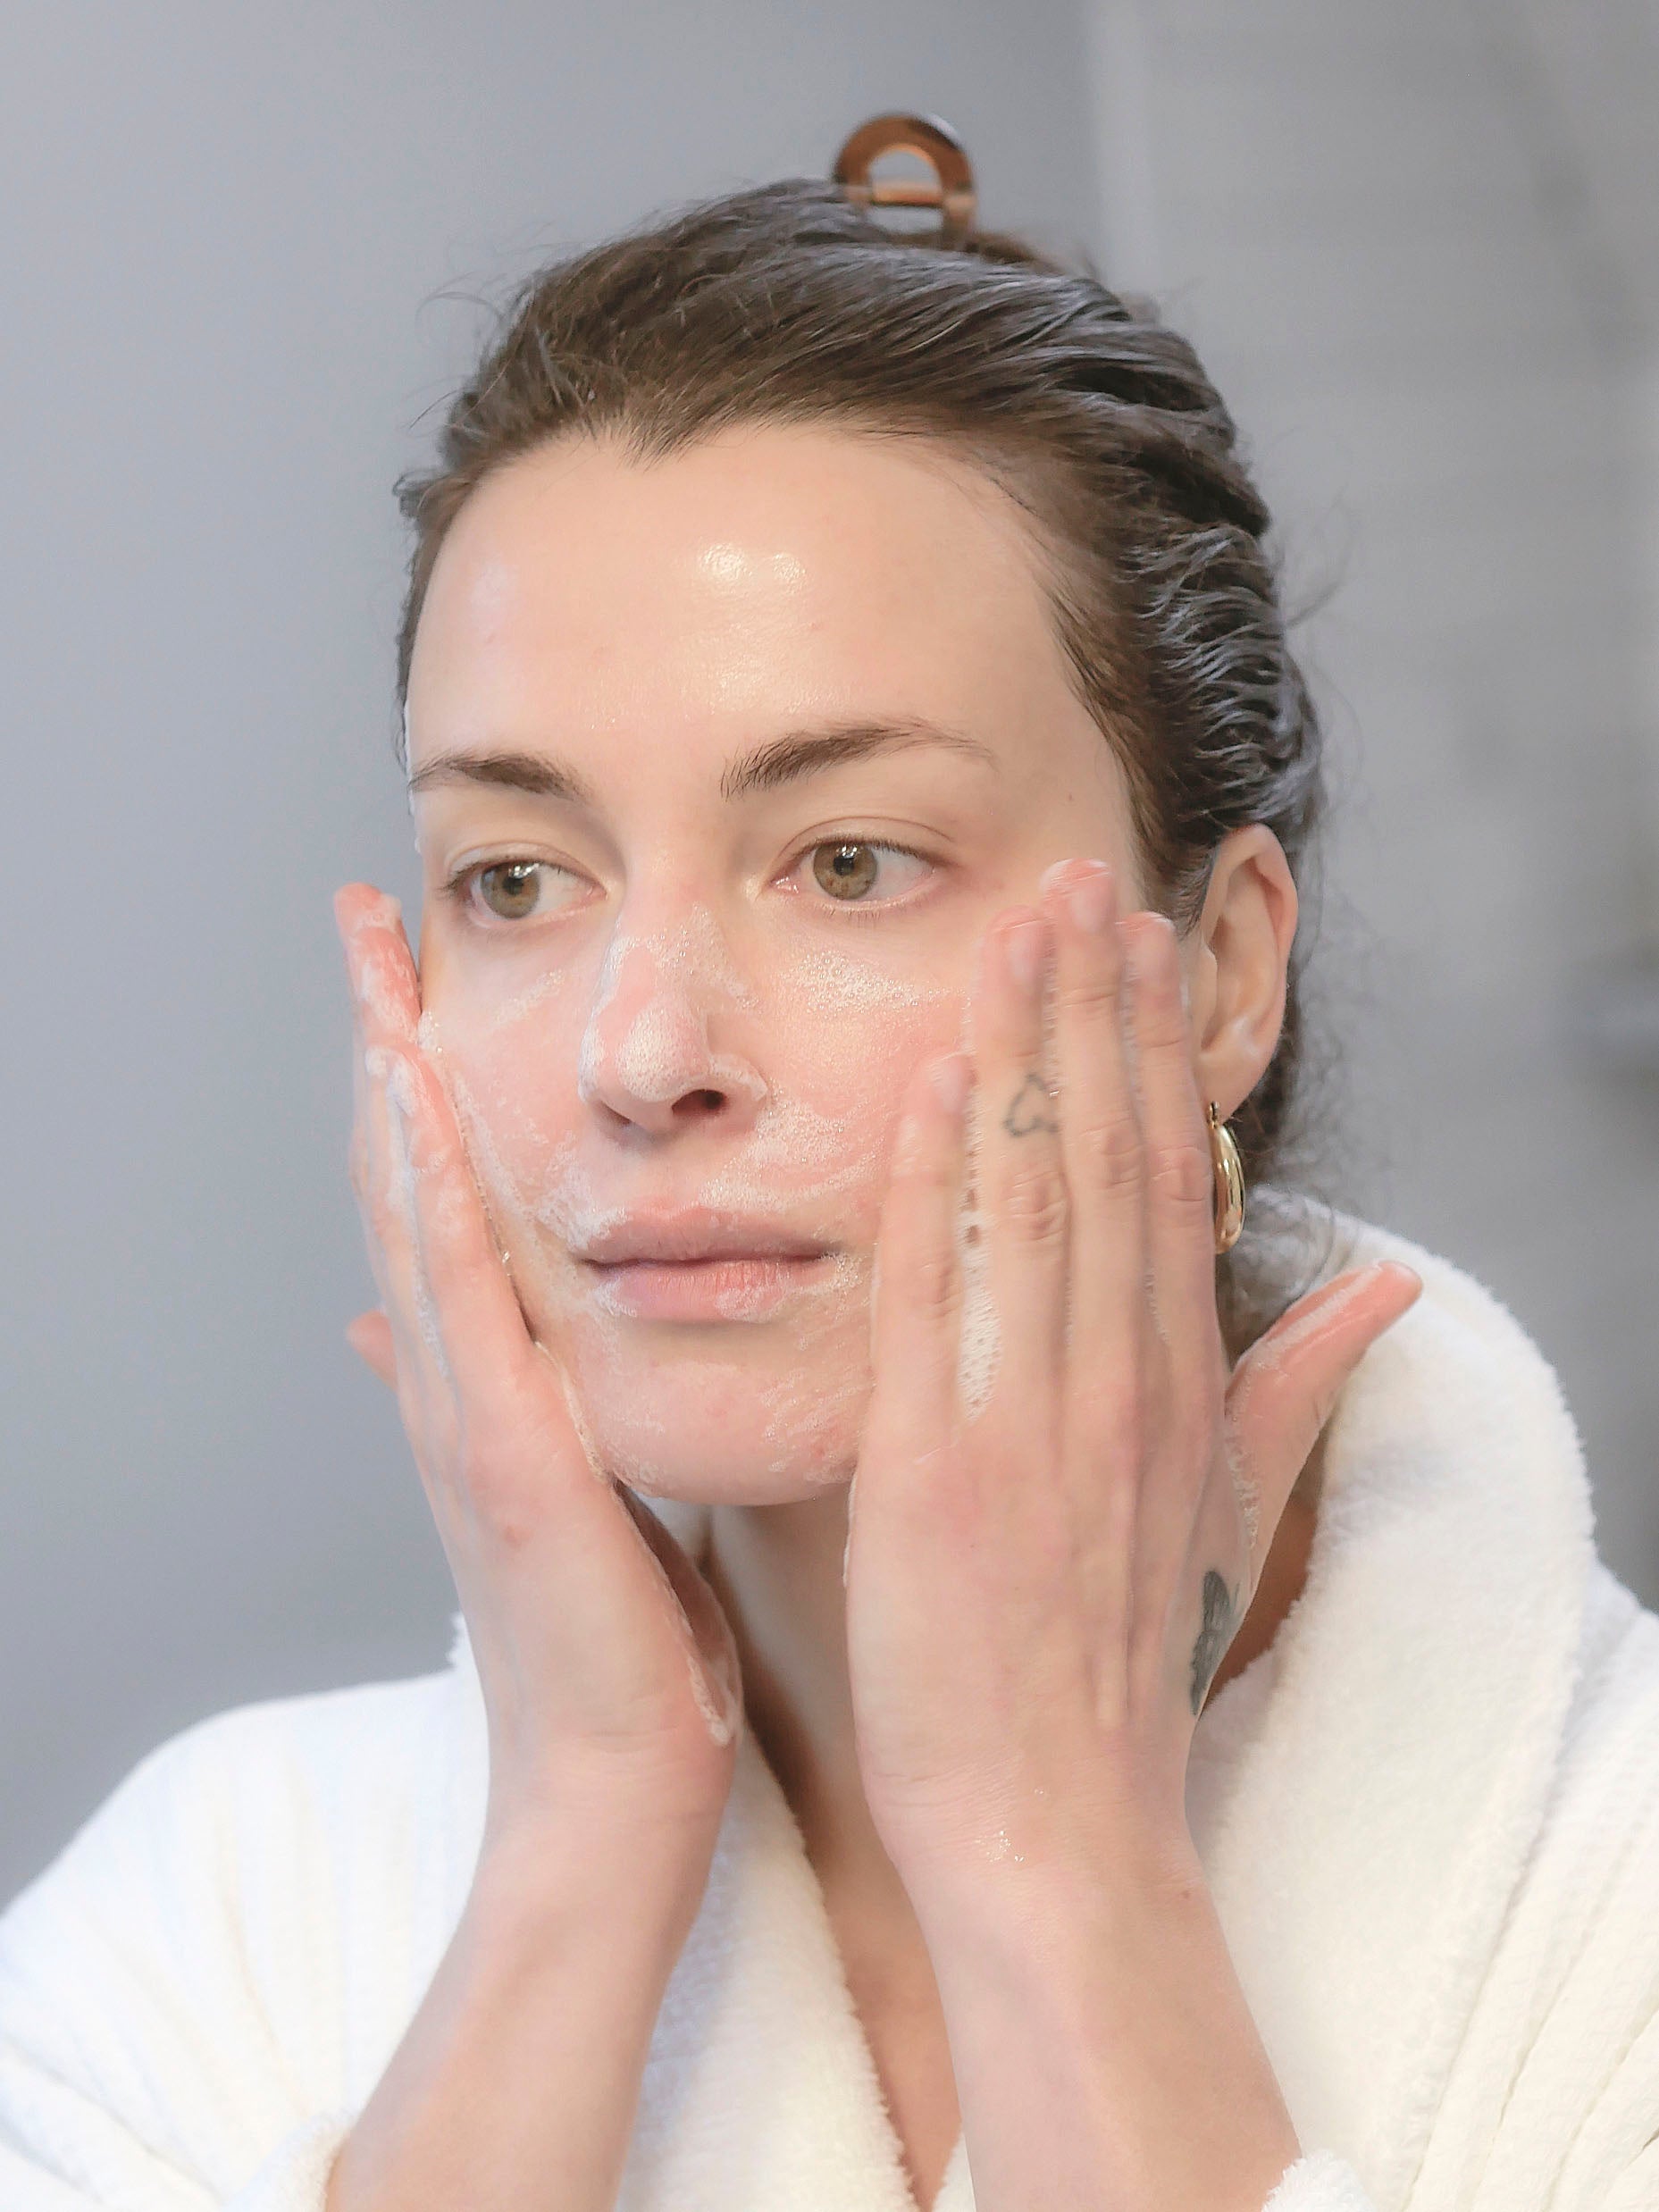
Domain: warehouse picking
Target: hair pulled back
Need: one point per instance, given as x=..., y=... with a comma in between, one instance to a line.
x=786, y=303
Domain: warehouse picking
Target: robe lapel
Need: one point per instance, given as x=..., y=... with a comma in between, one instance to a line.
x=759, y=2028
x=1364, y=1794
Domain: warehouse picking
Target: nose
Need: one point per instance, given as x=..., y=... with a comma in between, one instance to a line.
x=648, y=1053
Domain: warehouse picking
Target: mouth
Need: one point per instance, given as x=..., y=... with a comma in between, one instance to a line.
x=698, y=1267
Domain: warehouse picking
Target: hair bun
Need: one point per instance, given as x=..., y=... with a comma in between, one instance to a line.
x=952, y=192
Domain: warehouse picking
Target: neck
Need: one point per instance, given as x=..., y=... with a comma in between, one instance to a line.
x=776, y=1570
x=776, y=1573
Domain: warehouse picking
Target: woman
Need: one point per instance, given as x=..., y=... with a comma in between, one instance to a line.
x=1137, y=1718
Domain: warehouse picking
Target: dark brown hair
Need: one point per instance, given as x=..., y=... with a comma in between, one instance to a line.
x=787, y=304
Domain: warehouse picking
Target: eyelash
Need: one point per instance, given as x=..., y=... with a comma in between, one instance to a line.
x=458, y=888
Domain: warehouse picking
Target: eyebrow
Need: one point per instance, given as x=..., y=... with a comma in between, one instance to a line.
x=765, y=767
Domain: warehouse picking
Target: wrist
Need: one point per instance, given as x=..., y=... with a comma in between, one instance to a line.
x=613, y=1871
x=1041, y=1889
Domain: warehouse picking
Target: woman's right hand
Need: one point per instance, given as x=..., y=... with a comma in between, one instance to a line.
x=610, y=1672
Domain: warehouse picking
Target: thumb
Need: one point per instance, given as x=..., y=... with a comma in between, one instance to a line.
x=370, y=1337
x=1282, y=1391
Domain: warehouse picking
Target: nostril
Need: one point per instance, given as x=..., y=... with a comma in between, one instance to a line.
x=701, y=1101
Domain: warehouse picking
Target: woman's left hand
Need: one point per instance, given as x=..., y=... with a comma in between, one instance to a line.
x=1041, y=1586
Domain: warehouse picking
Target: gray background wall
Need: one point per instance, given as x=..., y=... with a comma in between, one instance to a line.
x=240, y=264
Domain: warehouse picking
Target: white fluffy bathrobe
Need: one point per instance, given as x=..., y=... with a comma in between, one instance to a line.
x=1429, y=1814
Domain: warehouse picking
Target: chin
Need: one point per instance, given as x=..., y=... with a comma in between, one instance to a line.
x=708, y=1429
x=758, y=1412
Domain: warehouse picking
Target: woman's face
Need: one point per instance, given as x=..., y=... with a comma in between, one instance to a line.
x=720, y=765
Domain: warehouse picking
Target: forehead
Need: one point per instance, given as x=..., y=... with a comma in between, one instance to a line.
x=762, y=573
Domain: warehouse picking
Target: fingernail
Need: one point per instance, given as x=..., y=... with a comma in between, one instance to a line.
x=1141, y=954
x=1026, y=949
x=1091, y=900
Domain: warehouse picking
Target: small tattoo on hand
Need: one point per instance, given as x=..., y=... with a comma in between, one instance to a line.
x=1213, y=1638
x=1028, y=1110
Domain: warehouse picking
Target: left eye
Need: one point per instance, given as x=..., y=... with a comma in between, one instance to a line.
x=851, y=871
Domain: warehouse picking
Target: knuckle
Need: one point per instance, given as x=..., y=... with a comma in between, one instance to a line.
x=934, y=1286
x=921, y=1171
x=1034, y=1206
x=1091, y=995
x=1181, y=1175
x=1115, y=1158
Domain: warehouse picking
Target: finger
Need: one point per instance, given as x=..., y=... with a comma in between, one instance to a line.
x=370, y=1336
x=1181, y=1190
x=385, y=1006
x=385, y=988
x=386, y=1226
x=385, y=1009
x=1105, y=1166
x=457, y=1290
x=1022, y=1180
x=1284, y=1389
x=916, y=1337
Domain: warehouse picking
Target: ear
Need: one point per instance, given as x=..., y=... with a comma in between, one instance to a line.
x=1236, y=964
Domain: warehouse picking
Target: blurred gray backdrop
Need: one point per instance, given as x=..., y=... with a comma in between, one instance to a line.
x=246, y=253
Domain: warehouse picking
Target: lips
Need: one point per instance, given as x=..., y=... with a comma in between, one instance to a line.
x=698, y=1266
x=696, y=1234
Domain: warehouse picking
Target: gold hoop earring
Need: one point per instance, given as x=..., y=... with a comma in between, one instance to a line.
x=1230, y=1181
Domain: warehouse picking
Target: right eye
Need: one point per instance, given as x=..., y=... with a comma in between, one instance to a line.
x=514, y=891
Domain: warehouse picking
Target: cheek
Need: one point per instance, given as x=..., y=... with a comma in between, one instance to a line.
x=846, y=1037
x=509, y=1071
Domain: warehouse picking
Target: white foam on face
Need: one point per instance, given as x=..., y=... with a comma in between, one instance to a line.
x=567, y=1204
x=697, y=951
x=788, y=1134
x=804, y=1406
x=590, y=1057
x=666, y=1049
x=828, y=976
x=652, y=1062
x=515, y=1009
